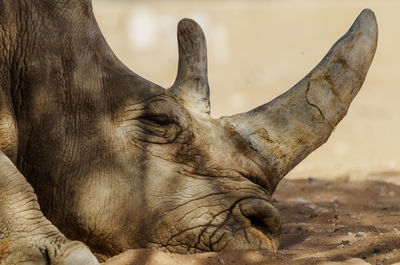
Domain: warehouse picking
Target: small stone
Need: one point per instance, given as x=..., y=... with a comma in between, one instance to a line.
x=358, y=234
x=333, y=199
x=336, y=216
x=345, y=242
x=313, y=215
x=299, y=228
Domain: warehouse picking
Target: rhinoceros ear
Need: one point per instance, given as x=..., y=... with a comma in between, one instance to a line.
x=191, y=84
x=287, y=129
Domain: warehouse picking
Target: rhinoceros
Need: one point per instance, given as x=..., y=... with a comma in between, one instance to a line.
x=94, y=155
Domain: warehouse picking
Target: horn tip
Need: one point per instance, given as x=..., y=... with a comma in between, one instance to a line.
x=368, y=13
x=185, y=21
x=188, y=24
x=367, y=24
x=190, y=33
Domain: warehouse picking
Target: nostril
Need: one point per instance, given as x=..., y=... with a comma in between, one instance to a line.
x=262, y=222
x=255, y=221
x=262, y=215
x=259, y=224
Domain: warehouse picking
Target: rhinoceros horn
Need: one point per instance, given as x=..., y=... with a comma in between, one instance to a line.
x=297, y=122
x=191, y=84
x=287, y=129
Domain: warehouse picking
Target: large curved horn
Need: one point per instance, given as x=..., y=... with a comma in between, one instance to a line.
x=294, y=124
x=191, y=84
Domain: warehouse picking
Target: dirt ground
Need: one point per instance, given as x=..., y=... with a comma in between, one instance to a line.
x=325, y=222
x=349, y=211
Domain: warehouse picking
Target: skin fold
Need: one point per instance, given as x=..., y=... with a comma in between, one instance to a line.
x=117, y=162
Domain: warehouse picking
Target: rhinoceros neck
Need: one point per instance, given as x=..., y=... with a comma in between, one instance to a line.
x=62, y=84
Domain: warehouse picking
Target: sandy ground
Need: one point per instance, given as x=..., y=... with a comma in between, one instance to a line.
x=342, y=204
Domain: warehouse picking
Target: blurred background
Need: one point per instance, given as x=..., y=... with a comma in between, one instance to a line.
x=257, y=50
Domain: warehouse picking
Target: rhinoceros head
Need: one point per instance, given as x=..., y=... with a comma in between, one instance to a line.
x=119, y=162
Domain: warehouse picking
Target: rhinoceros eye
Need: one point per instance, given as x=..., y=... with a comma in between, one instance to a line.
x=158, y=129
x=155, y=121
x=161, y=120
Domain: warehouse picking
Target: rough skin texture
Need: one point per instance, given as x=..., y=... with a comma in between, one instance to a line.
x=118, y=162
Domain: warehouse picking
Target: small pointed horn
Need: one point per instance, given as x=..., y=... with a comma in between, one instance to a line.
x=191, y=84
x=294, y=124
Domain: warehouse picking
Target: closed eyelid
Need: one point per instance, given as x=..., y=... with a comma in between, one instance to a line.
x=162, y=106
x=158, y=120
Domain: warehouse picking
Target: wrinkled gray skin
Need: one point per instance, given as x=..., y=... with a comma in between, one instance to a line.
x=118, y=162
